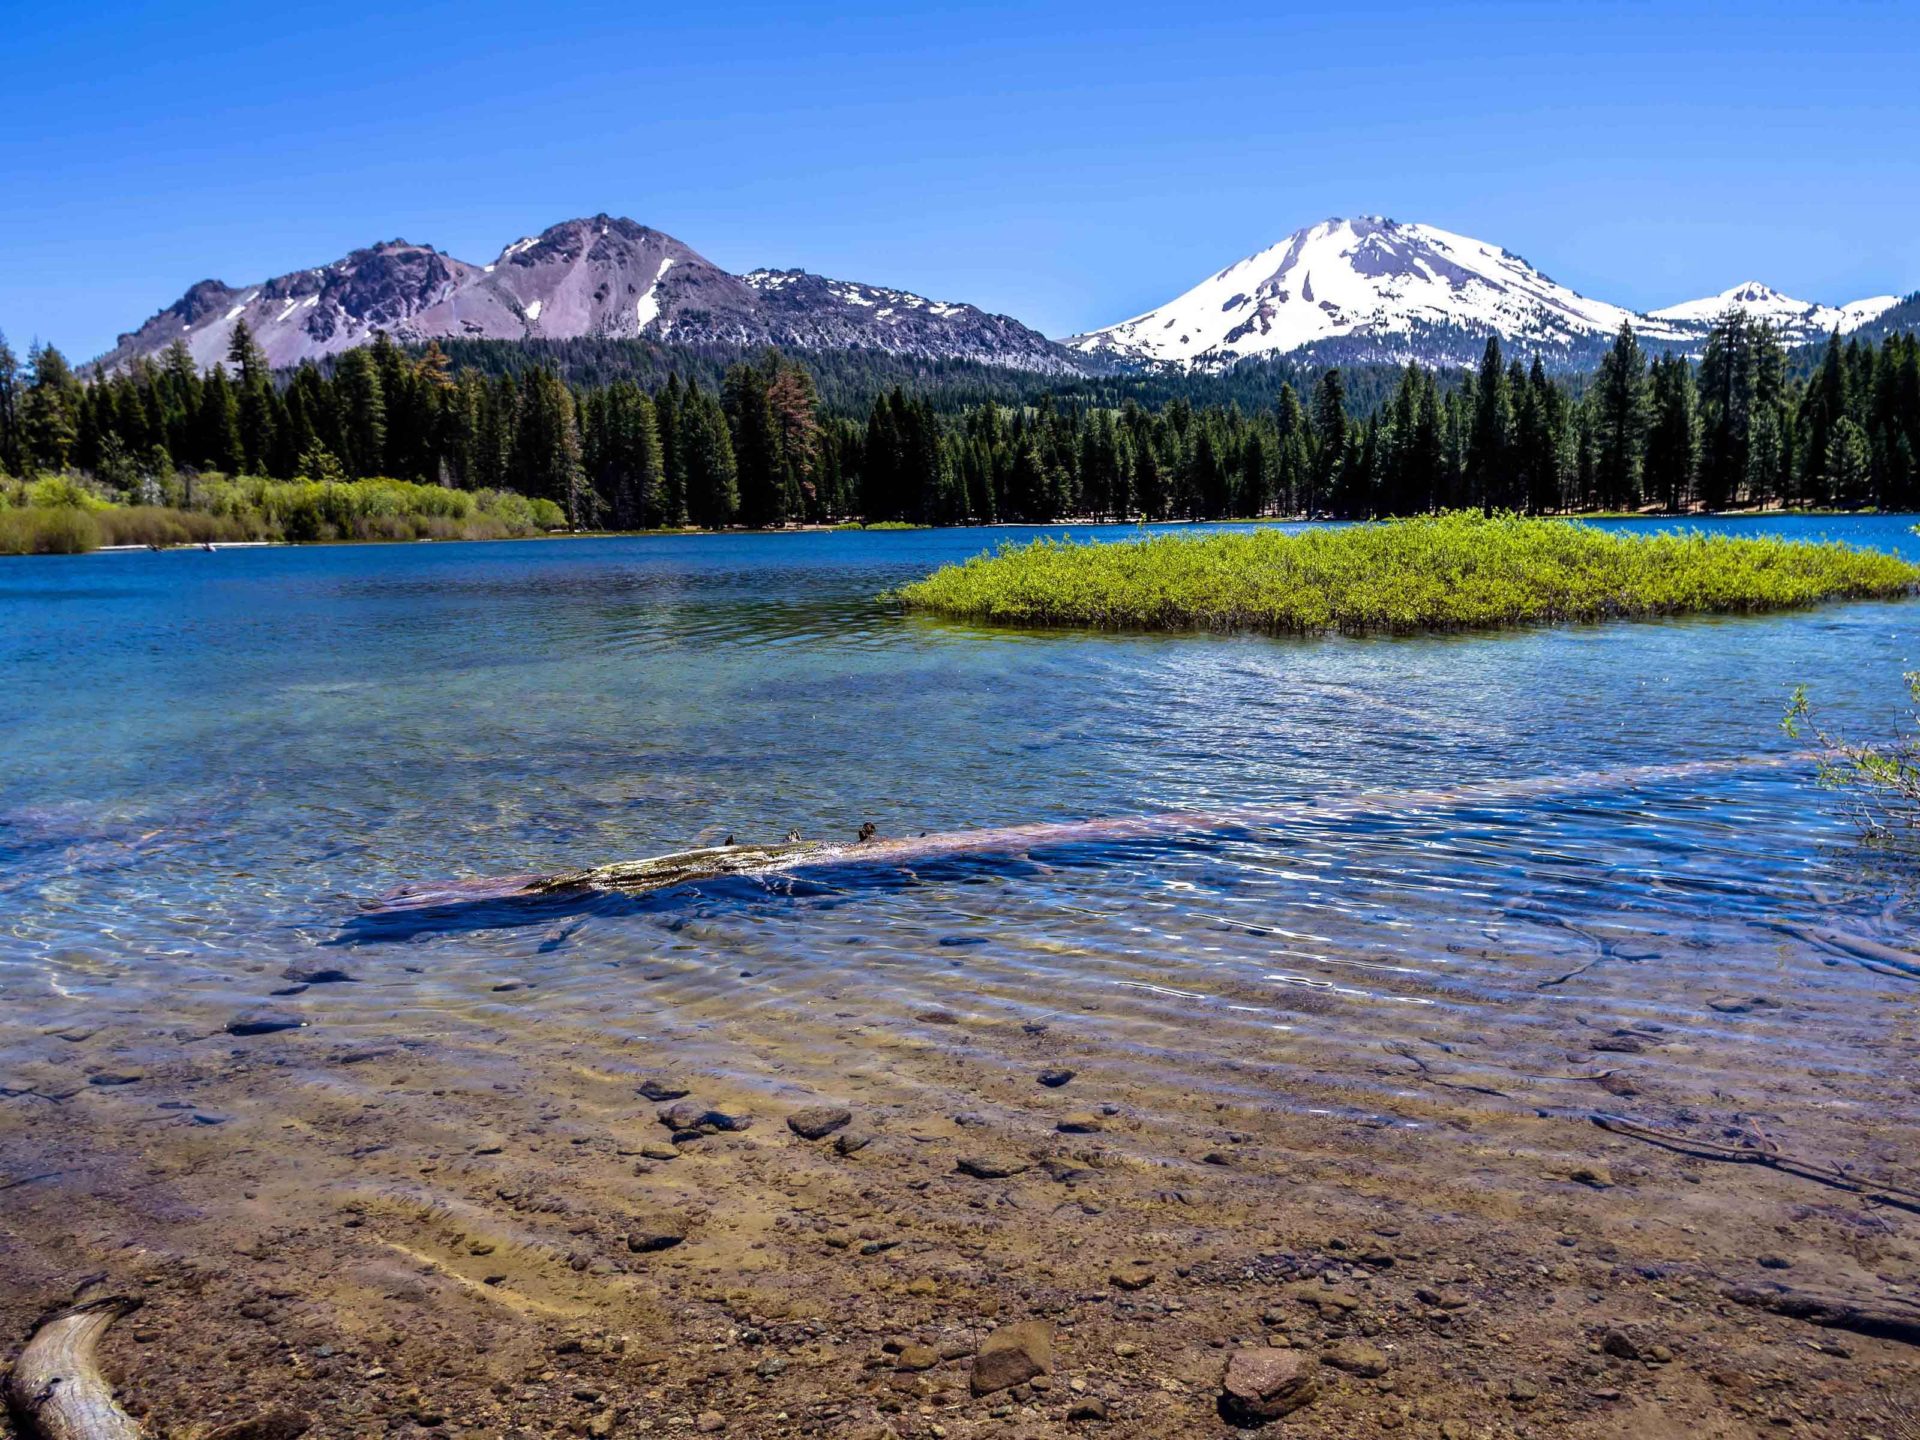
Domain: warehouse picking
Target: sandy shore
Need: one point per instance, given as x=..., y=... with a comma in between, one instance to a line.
x=500, y=1224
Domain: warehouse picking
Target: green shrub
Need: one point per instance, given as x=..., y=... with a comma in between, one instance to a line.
x=1883, y=780
x=55, y=530
x=159, y=525
x=223, y=508
x=63, y=492
x=1456, y=571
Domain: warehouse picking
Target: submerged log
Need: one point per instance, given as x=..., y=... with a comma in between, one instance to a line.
x=56, y=1389
x=806, y=857
x=1886, y=1317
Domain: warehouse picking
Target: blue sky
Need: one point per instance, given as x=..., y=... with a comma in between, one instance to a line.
x=1068, y=164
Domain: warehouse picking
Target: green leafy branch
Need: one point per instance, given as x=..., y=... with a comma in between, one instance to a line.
x=1882, y=780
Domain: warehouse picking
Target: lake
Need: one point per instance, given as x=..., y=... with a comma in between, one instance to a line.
x=1460, y=873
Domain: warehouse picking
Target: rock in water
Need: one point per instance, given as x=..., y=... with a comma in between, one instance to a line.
x=263, y=1024
x=1132, y=1274
x=690, y=1116
x=1264, y=1383
x=648, y=1233
x=313, y=975
x=1357, y=1357
x=1013, y=1355
x=991, y=1167
x=816, y=1122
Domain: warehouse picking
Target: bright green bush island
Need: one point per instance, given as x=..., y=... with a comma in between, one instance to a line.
x=1444, y=572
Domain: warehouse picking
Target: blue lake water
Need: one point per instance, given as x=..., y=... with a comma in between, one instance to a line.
x=207, y=761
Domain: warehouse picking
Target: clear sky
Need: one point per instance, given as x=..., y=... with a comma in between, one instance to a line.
x=1069, y=164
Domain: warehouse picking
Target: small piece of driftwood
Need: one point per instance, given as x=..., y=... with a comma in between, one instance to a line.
x=1764, y=1153
x=56, y=1390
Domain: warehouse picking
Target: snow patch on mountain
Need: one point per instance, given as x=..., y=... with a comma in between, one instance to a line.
x=647, y=309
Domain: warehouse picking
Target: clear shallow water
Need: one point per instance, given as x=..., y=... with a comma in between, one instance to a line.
x=210, y=760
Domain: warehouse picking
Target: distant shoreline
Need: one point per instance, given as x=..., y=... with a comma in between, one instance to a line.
x=694, y=532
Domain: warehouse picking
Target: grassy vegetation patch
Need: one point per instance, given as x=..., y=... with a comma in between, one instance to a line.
x=1444, y=572
x=58, y=516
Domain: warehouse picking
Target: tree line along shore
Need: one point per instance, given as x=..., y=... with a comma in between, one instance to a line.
x=391, y=443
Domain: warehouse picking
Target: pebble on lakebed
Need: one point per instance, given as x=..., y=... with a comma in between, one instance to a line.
x=816, y=1122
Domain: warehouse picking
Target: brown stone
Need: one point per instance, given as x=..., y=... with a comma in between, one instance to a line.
x=1013, y=1355
x=917, y=1357
x=816, y=1122
x=1263, y=1383
x=1132, y=1275
x=1357, y=1357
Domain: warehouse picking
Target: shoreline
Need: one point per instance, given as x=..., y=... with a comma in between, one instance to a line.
x=834, y=528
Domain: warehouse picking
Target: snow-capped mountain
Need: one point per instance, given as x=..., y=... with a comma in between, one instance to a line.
x=602, y=277
x=1376, y=290
x=1365, y=289
x=1801, y=320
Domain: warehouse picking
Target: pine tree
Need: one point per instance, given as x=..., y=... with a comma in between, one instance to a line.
x=361, y=415
x=1255, y=490
x=1538, y=440
x=1822, y=408
x=255, y=400
x=49, y=411
x=10, y=443
x=713, y=494
x=881, y=491
x=547, y=458
x=217, y=431
x=1489, y=445
x=1671, y=446
x=318, y=463
x=1329, y=438
x=756, y=447
x=795, y=402
x=621, y=440
x=1620, y=419
x=1848, y=464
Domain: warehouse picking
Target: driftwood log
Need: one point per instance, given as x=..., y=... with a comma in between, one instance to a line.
x=1887, y=1317
x=56, y=1390
x=810, y=857
x=1883, y=959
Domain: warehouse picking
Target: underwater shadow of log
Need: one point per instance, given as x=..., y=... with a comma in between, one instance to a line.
x=826, y=881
